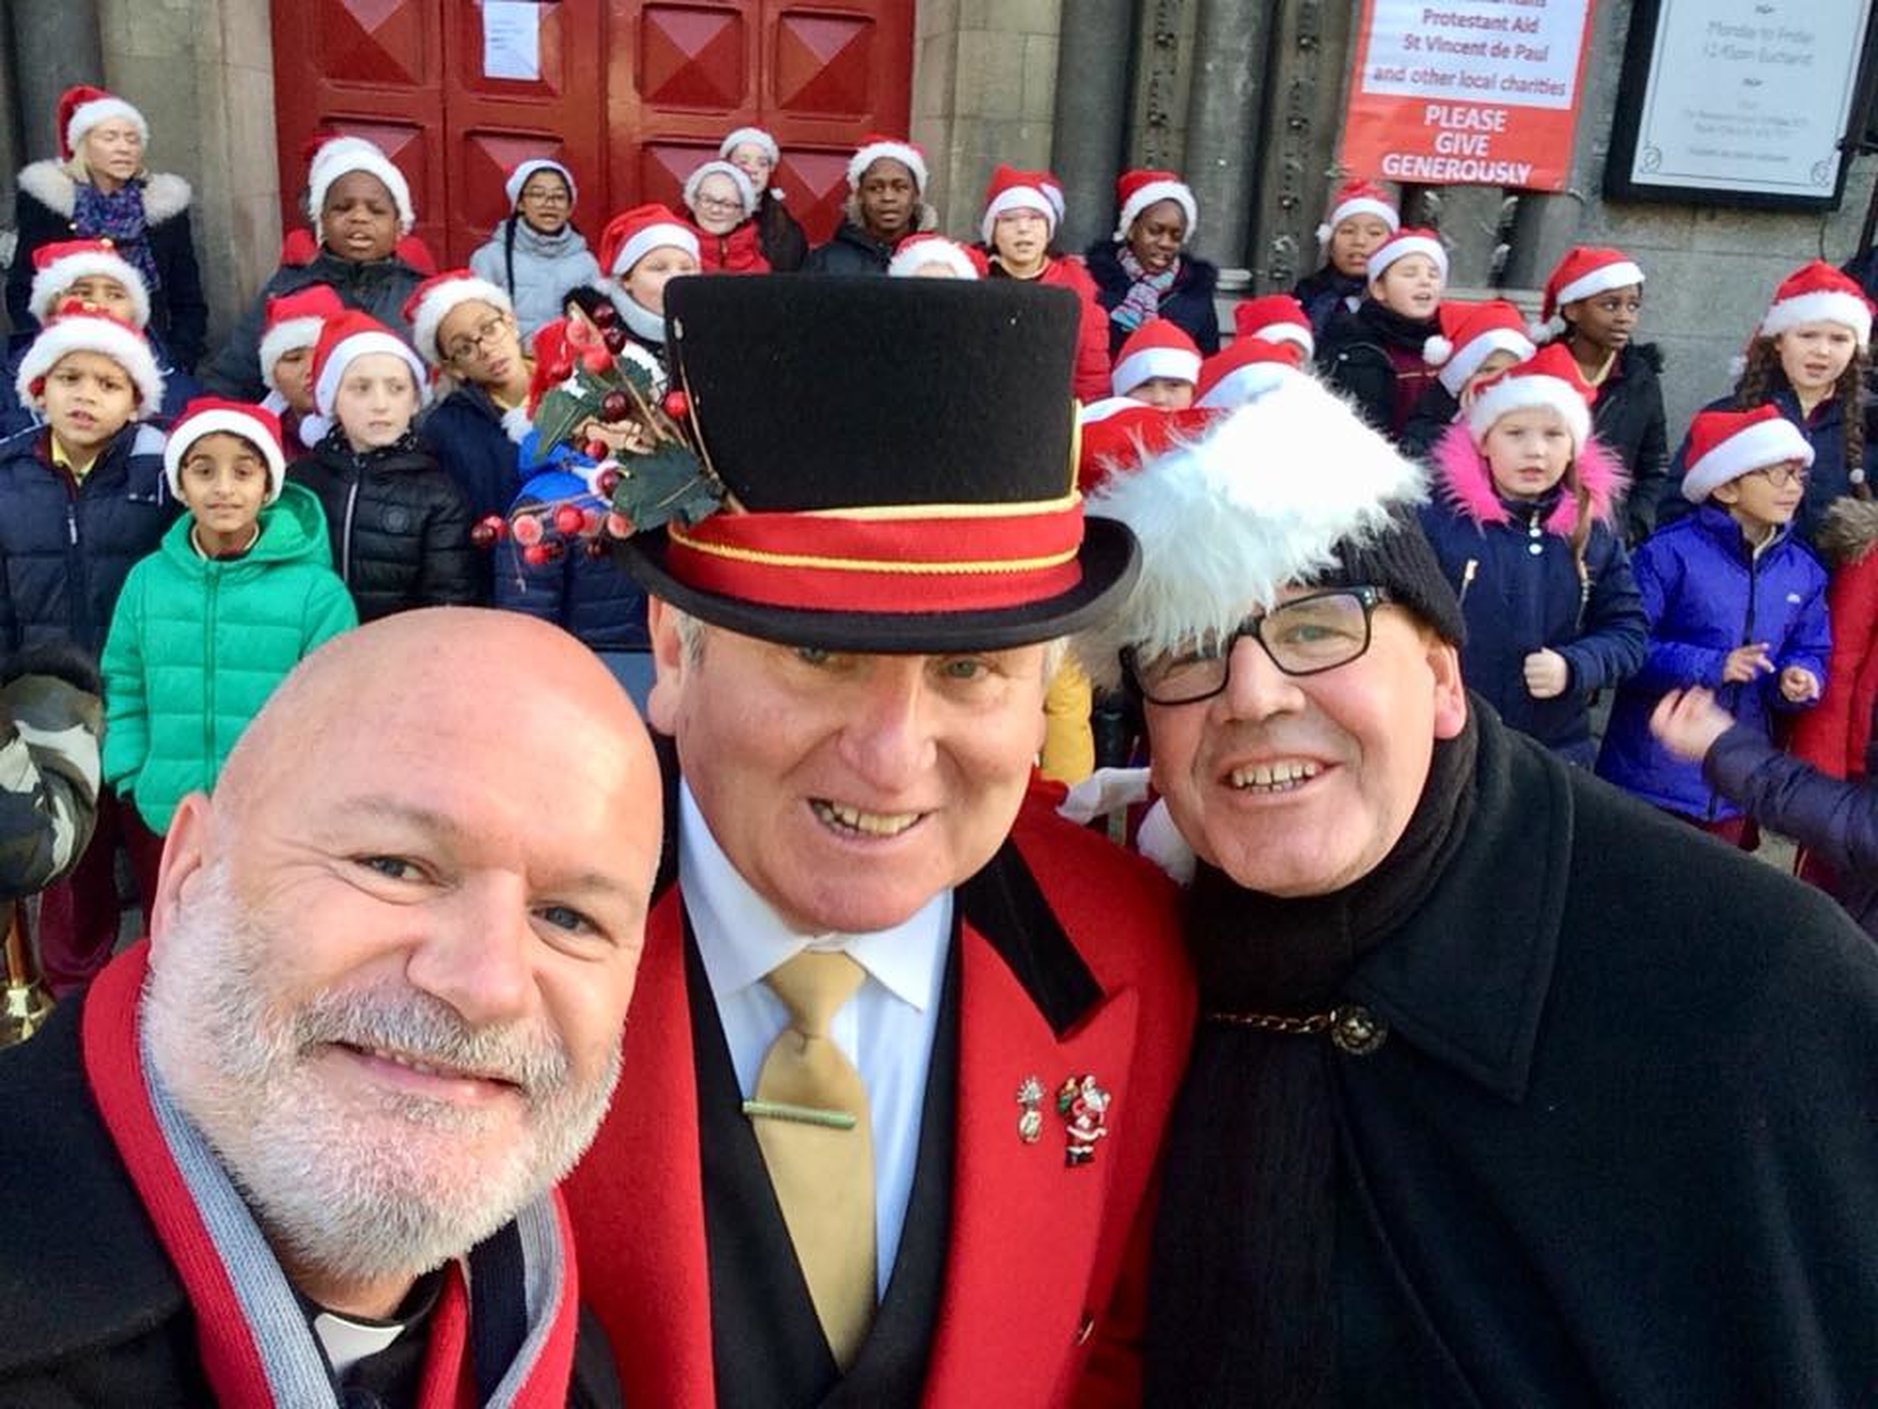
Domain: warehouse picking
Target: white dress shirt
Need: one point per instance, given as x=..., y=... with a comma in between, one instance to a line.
x=886, y=1029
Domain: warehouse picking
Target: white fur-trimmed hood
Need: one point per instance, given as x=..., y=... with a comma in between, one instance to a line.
x=48, y=182
x=1229, y=520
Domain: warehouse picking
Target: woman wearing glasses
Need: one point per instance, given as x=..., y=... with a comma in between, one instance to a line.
x=723, y=203
x=537, y=255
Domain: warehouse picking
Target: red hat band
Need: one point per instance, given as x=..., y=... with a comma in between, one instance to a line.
x=924, y=558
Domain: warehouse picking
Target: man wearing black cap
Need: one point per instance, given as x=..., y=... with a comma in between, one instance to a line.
x=1507, y=1090
x=905, y=1046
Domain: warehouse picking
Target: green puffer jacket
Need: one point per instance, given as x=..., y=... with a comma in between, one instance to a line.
x=197, y=646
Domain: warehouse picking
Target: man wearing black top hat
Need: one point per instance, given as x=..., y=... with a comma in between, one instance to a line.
x=927, y=1196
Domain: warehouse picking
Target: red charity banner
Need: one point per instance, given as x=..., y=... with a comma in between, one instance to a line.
x=1467, y=92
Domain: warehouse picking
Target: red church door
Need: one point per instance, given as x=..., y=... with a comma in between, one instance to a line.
x=631, y=94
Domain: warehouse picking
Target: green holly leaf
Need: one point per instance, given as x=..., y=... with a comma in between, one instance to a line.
x=669, y=483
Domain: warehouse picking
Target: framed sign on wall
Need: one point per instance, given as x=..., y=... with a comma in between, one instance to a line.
x=1737, y=102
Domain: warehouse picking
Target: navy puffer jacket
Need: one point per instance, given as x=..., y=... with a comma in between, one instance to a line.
x=585, y=595
x=65, y=550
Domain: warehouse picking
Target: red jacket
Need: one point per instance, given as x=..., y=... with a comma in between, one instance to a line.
x=1092, y=341
x=739, y=252
x=1833, y=736
x=1030, y=1312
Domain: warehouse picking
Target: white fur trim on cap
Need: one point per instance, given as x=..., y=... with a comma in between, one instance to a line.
x=1771, y=442
x=518, y=178
x=1035, y=198
x=655, y=236
x=1286, y=331
x=360, y=345
x=1246, y=384
x=1173, y=362
x=50, y=283
x=1359, y=205
x=1155, y=191
x=1392, y=250
x=1108, y=406
x=901, y=152
x=223, y=420
x=445, y=299
x=1227, y=522
x=1824, y=307
x=343, y=155
x=77, y=333
x=88, y=115
x=755, y=137
x=913, y=254
x=746, y=193
x=1516, y=393
x=1462, y=363
x=283, y=338
x=1620, y=274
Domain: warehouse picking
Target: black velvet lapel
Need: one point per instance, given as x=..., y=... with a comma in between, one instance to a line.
x=1004, y=903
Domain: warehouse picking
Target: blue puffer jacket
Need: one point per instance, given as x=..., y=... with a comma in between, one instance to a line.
x=65, y=551
x=1705, y=594
x=1511, y=565
x=589, y=597
x=1187, y=304
x=1828, y=480
x=536, y=270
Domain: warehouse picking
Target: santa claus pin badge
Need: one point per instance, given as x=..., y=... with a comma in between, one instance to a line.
x=1084, y=1107
x=1029, y=1103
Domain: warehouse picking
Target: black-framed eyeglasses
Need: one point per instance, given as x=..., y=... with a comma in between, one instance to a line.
x=552, y=195
x=463, y=348
x=1304, y=636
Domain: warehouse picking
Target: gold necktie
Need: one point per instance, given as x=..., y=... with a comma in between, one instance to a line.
x=811, y=1121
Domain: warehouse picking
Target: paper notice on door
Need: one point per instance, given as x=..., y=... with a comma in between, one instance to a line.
x=512, y=40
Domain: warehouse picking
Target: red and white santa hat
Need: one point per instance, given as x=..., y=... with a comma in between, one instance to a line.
x=1011, y=189
x=1725, y=445
x=1583, y=272
x=917, y=251
x=433, y=301
x=518, y=178
x=1136, y=190
x=1818, y=293
x=83, y=107
x=746, y=193
x=1470, y=334
x=1158, y=348
x=331, y=157
x=1359, y=198
x=633, y=234
x=57, y=266
x=1549, y=378
x=294, y=321
x=1119, y=434
x=213, y=415
x=1275, y=318
x=752, y=137
x=1245, y=370
x=79, y=327
x=1403, y=243
x=343, y=340
x=874, y=147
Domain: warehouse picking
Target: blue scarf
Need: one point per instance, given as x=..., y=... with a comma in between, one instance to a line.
x=118, y=217
x=1143, y=300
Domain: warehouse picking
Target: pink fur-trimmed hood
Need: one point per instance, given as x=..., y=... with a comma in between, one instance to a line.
x=1463, y=481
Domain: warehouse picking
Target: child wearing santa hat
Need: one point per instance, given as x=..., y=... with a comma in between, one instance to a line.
x=1734, y=567
x=754, y=152
x=1808, y=359
x=1361, y=216
x=1525, y=524
x=209, y=624
x=288, y=337
x=1144, y=270
x=1477, y=341
x=641, y=251
x=886, y=202
x=1158, y=365
x=933, y=256
x=82, y=498
x=400, y=528
x=1018, y=229
x=465, y=328
x=536, y=254
x=358, y=203
x=1378, y=353
x=723, y=205
x=94, y=273
x=1597, y=294
x=100, y=189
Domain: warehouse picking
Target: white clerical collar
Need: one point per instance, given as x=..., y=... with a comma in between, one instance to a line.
x=740, y=938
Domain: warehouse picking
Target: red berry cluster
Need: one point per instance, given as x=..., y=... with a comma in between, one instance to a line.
x=548, y=532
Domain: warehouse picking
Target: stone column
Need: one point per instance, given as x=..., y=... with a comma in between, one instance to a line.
x=1091, y=114
x=1225, y=123
x=57, y=44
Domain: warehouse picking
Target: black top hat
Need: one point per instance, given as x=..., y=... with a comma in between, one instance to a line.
x=900, y=454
